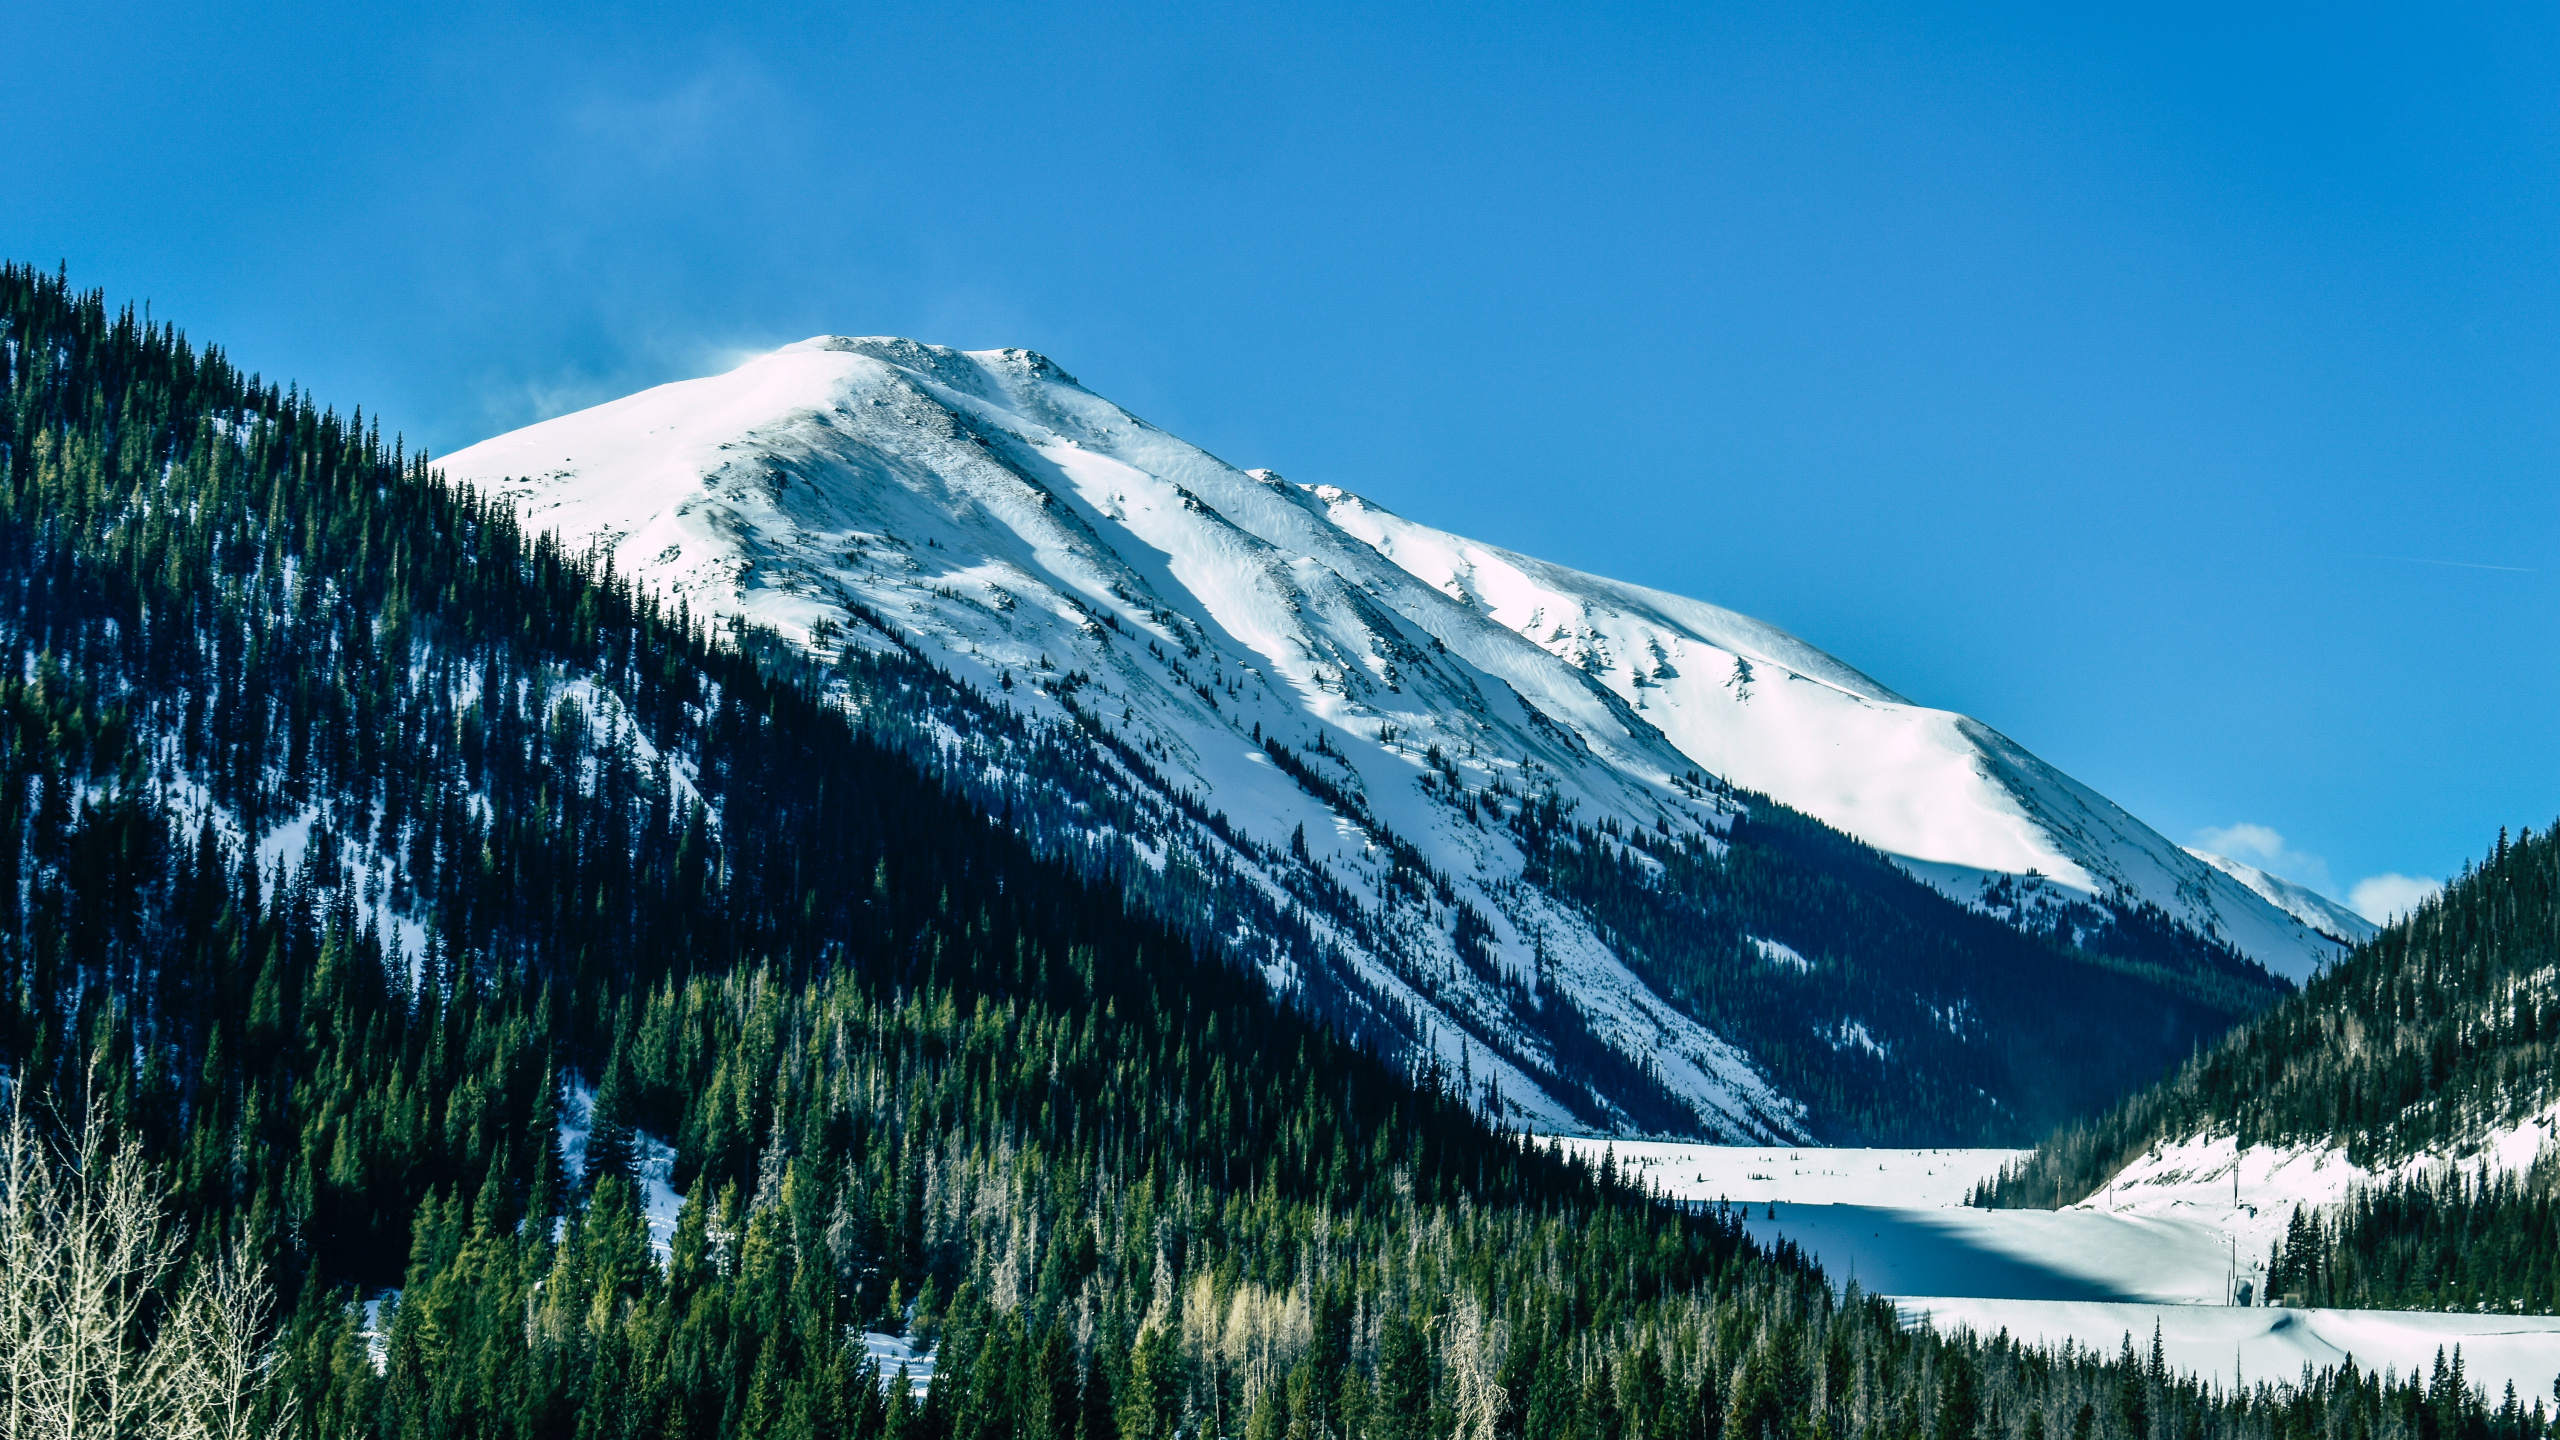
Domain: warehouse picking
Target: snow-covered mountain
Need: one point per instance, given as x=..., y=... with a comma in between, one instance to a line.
x=1332, y=709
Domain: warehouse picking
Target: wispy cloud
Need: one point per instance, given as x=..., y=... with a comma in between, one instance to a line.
x=2264, y=847
x=660, y=124
x=2384, y=898
x=2378, y=898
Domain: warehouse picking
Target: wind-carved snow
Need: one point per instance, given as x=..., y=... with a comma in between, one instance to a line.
x=1348, y=691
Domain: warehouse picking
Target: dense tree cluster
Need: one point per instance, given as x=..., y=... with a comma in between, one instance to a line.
x=349, y=834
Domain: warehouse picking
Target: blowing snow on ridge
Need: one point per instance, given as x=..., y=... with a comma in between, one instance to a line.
x=1340, y=716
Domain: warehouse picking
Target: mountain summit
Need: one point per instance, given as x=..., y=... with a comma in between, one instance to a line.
x=1366, y=736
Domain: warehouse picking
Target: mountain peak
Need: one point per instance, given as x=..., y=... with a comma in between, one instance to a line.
x=1336, y=684
x=940, y=361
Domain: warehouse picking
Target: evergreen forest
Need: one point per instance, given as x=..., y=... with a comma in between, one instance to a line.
x=395, y=917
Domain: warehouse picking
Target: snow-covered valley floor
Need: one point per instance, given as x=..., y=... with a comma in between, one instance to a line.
x=1895, y=1221
x=2009, y=1254
x=2261, y=1345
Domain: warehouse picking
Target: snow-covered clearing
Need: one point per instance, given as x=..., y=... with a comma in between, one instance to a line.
x=2250, y=1194
x=892, y=1351
x=2162, y=1245
x=660, y=1205
x=2261, y=1345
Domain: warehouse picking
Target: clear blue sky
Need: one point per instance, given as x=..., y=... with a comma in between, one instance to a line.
x=2173, y=389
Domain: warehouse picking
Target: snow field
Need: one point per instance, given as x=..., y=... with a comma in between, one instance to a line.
x=2159, y=1246
x=2299, y=901
x=2260, y=1345
x=1954, y=799
x=2010, y=1254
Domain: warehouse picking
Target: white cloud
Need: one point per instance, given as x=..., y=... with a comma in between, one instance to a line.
x=2378, y=898
x=2262, y=846
x=2384, y=898
x=2241, y=841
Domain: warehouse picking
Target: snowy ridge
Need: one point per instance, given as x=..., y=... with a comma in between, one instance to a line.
x=2301, y=902
x=1341, y=703
x=1959, y=803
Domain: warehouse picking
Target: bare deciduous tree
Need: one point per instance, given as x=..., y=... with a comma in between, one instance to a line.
x=222, y=1360
x=88, y=1349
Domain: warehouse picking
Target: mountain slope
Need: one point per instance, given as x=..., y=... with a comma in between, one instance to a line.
x=340, y=818
x=1268, y=686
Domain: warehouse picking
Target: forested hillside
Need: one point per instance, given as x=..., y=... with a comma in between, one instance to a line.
x=2407, y=1057
x=342, y=822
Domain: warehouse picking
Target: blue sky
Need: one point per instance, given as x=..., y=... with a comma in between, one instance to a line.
x=2172, y=388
